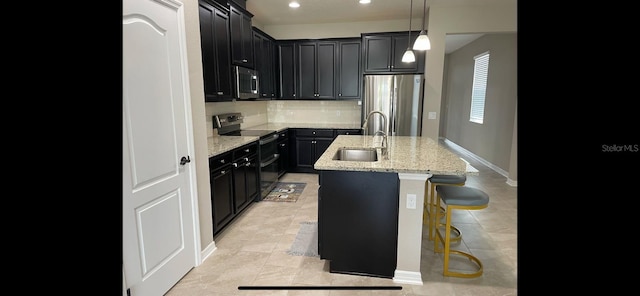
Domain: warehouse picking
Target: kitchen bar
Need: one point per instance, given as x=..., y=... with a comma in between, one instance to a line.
x=413, y=159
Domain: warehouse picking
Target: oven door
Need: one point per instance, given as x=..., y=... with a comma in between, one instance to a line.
x=268, y=164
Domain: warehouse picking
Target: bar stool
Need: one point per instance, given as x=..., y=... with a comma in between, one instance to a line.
x=458, y=198
x=430, y=205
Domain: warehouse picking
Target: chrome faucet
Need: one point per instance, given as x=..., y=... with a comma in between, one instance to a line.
x=383, y=131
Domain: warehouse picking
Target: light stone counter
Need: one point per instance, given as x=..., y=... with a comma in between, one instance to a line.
x=282, y=126
x=417, y=155
x=221, y=144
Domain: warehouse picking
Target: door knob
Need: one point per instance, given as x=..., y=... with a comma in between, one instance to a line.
x=184, y=160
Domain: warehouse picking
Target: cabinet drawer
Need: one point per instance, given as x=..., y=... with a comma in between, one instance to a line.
x=245, y=151
x=219, y=161
x=348, y=132
x=328, y=133
x=283, y=135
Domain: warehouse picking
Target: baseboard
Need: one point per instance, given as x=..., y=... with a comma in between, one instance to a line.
x=481, y=160
x=208, y=251
x=407, y=277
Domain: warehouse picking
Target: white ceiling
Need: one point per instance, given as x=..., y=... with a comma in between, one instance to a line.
x=278, y=12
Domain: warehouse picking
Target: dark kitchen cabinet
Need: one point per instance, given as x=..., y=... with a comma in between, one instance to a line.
x=317, y=69
x=382, y=53
x=266, y=63
x=283, y=151
x=246, y=170
x=287, y=70
x=357, y=210
x=216, y=57
x=310, y=144
x=347, y=132
x=235, y=183
x=349, y=74
x=221, y=180
x=241, y=37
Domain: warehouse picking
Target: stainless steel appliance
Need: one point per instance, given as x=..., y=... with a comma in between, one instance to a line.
x=247, y=84
x=399, y=97
x=229, y=125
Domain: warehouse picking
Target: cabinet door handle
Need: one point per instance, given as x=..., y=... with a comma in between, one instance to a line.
x=223, y=172
x=246, y=150
x=244, y=61
x=235, y=165
x=220, y=93
x=222, y=161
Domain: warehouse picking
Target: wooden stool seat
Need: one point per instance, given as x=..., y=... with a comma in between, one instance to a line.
x=457, y=198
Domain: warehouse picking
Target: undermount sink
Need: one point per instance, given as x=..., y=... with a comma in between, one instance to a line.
x=356, y=154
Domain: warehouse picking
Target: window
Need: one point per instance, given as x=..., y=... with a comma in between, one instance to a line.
x=479, y=90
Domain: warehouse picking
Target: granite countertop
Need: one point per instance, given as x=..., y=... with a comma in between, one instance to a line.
x=220, y=144
x=418, y=155
x=282, y=126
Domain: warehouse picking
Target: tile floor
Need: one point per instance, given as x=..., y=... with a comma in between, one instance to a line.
x=252, y=250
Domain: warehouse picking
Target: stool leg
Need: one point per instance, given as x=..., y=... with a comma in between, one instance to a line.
x=436, y=213
x=432, y=214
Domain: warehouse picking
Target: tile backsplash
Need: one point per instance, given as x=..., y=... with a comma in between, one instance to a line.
x=277, y=111
x=314, y=111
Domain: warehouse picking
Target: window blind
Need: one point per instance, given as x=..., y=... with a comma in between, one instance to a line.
x=479, y=90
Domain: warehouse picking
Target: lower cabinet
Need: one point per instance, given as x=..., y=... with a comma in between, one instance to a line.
x=246, y=170
x=235, y=183
x=309, y=146
x=222, y=207
x=358, y=210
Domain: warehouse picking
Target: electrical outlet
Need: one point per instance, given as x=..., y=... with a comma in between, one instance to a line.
x=411, y=201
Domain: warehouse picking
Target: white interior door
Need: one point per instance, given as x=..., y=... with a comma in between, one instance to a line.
x=158, y=203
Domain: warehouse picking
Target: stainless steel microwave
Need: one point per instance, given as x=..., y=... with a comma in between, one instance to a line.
x=247, y=84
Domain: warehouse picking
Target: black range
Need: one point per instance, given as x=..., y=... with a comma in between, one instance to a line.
x=229, y=125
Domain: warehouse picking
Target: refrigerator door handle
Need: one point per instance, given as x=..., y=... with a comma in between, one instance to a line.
x=394, y=105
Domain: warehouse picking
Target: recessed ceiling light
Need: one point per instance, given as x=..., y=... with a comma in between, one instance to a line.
x=294, y=4
x=365, y=1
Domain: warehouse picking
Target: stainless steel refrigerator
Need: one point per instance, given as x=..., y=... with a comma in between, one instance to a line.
x=399, y=97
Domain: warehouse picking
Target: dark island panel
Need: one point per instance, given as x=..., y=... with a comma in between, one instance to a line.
x=358, y=222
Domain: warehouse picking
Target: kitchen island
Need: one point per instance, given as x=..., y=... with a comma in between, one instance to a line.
x=396, y=177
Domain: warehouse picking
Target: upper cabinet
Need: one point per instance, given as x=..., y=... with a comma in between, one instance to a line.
x=317, y=68
x=265, y=49
x=287, y=69
x=349, y=79
x=241, y=37
x=321, y=69
x=216, y=58
x=382, y=53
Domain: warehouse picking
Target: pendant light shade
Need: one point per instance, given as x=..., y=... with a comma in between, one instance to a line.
x=408, y=56
x=422, y=42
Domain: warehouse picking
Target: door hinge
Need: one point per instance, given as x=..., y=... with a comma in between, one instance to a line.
x=129, y=292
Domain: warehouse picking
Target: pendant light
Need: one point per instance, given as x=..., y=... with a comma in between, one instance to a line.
x=408, y=56
x=422, y=42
